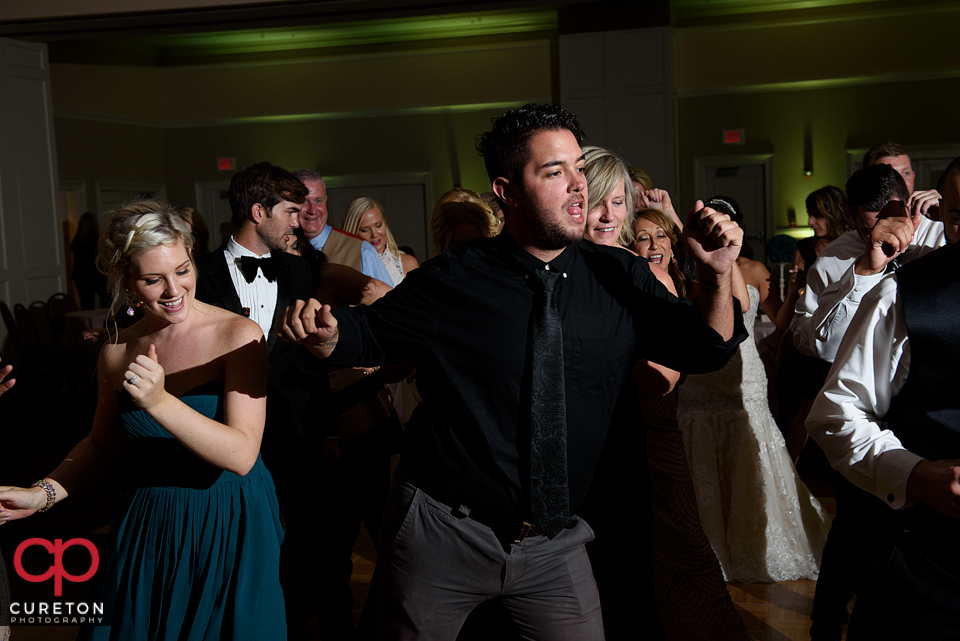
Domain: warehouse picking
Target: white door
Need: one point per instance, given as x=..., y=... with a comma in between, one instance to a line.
x=114, y=195
x=747, y=181
x=213, y=203
x=31, y=249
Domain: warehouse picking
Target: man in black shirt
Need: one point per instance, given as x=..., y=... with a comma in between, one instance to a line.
x=459, y=527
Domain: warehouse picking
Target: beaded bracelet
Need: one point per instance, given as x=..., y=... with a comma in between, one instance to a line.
x=51, y=493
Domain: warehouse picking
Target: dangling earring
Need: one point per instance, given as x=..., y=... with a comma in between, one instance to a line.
x=130, y=302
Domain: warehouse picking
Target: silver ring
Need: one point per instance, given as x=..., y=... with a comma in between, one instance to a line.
x=133, y=379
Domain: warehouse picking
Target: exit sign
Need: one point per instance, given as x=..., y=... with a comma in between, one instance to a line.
x=226, y=164
x=734, y=136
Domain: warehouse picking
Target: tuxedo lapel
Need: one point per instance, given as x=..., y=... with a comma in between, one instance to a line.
x=214, y=266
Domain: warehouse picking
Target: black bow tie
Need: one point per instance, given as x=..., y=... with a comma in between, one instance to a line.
x=249, y=265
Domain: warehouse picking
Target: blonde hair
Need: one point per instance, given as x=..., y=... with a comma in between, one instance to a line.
x=638, y=175
x=133, y=229
x=673, y=233
x=455, y=207
x=356, y=210
x=605, y=172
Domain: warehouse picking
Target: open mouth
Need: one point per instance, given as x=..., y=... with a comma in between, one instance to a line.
x=576, y=211
x=655, y=258
x=174, y=305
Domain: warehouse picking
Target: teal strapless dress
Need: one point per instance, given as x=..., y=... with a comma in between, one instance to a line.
x=197, y=553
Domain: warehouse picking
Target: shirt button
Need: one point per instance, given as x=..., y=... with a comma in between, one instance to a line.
x=890, y=498
x=564, y=274
x=546, y=267
x=857, y=288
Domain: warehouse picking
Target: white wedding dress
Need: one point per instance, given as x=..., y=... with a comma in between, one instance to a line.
x=760, y=518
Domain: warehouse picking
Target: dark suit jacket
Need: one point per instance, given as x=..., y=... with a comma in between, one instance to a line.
x=297, y=388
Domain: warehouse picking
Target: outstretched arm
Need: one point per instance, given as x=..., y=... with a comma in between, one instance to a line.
x=86, y=460
x=311, y=324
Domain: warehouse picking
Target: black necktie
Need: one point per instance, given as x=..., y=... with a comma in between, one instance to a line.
x=249, y=265
x=549, y=491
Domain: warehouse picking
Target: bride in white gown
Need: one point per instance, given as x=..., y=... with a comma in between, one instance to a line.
x=760, y=518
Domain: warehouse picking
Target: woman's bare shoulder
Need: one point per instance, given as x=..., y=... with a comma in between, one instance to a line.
x=754, y=272
x=230, y=329
x=113, y=352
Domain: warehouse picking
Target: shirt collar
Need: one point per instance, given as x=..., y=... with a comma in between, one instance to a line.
x=237, y=250
x=527, y=262
x=320, y=240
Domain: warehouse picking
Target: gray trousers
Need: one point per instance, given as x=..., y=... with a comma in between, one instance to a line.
x=435, y=566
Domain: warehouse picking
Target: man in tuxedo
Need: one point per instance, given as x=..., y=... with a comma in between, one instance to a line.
x=338, y=246
x=889, y=420
x=251, y=274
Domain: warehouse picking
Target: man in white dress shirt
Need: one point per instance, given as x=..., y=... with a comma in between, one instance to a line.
x=853, y=264
x=339, y=246
x=846, y=270
x=888, y=419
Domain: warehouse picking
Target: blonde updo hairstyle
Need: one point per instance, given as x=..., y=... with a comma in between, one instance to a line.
x=135, y=228
x=606, y=172
x=458, y=206
x=356, y=210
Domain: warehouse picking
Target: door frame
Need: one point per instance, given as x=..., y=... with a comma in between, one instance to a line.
x=702, y=163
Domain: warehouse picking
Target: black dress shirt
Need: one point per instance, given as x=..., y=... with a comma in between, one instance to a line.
x=465, y=317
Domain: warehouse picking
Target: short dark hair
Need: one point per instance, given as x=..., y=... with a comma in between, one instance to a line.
x=882, y=150
x=874, y=186
x=265, y=184
x=504, y=148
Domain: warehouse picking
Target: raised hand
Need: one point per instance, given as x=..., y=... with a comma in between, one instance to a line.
x=659, y=199
x=144, y=379
x=6, y=385
x=311, y=324
x=889, y=238
x=925, y=203
x=712, y=238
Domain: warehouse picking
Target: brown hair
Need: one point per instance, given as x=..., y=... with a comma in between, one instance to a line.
x=830, y=204
x=265, y=184
x=882, y=150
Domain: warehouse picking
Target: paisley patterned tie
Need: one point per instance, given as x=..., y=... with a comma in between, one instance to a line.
x=549, y=494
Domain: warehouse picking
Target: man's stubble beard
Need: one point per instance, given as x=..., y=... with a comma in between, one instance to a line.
x=550, y=231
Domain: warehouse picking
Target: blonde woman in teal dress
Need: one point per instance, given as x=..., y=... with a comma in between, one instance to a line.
x=196, y=530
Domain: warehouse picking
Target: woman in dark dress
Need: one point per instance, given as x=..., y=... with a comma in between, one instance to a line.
x=196, y=530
